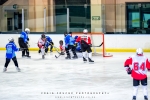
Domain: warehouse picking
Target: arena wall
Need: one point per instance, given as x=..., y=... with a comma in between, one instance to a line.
x=113, y=43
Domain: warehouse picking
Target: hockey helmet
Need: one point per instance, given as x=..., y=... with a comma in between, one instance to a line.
x=65, y=34
x=139, y=51
x=11, y=39
x=70, y=33
x=61, y=42
x=27, y=30
x=76, y=37
x=85, y=31
x=43, y=36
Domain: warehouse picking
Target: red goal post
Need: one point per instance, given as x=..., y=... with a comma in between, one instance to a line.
x=98, y=43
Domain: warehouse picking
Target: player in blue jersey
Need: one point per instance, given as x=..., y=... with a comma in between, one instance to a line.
x=23, y=42
x=11, y=48
x=49, y=40
x=69, y=44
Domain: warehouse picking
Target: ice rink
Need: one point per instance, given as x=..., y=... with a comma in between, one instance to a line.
x=48, y=79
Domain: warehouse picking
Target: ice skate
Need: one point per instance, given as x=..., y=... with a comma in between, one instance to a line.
x=28, y=56
x=5, y=69
x=75, y=57
x=23, y=56
x=43, y=56
x=134, y=98
x=84, y=59
x=18, y=69
x=90, y=60
x=68, y=57
x=145, y=98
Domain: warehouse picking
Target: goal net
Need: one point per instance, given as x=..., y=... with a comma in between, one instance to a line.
x=98, y=44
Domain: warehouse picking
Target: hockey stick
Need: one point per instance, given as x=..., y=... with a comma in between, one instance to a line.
x=57, y=56
x=57, y=52
x=55, y=49
x=22, y=49
x=99, y=45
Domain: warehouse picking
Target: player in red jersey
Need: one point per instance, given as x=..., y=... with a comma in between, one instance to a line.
x=137, y=66
x=86, y=44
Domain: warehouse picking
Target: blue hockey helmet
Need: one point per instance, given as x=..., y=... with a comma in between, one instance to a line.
x=76, y=37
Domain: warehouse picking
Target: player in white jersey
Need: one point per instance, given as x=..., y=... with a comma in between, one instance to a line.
x=137, y=66
x=62, y=47
x=41, y=45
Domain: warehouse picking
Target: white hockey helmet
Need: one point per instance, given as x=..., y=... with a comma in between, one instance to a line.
x=27, y=30
x=11, y=39
x=139, y=51
x=85, y=31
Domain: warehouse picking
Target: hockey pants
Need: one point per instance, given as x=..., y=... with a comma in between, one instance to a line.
x=73, y=49
x=23, y=45
x=85, y=47
x=8, y=61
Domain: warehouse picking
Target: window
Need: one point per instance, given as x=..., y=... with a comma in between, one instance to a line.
x=138, y=18
x=79, y=15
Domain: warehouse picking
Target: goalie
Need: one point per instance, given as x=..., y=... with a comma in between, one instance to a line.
x=78, y=45
x=41, y=45
x=85, y=42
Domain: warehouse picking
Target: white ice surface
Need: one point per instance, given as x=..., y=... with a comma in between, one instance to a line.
x=60, y=75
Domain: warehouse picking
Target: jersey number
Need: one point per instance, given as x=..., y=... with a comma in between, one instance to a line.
x=139, y=67
x=9, y=50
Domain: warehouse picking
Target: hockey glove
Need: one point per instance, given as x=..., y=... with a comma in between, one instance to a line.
x=129, y=71
x=76, y=44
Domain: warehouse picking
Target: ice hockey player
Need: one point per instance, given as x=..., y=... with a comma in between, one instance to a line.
x=86, y=44
x=11, y=48
x=137, y=66
x=62, y=47
x=69, y=44
x=23, y=42
x=48, y=39
x=50, y=43
x=41, y=44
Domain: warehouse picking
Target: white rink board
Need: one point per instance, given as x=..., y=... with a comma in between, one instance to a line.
x=111, y=41
x=60, y=75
